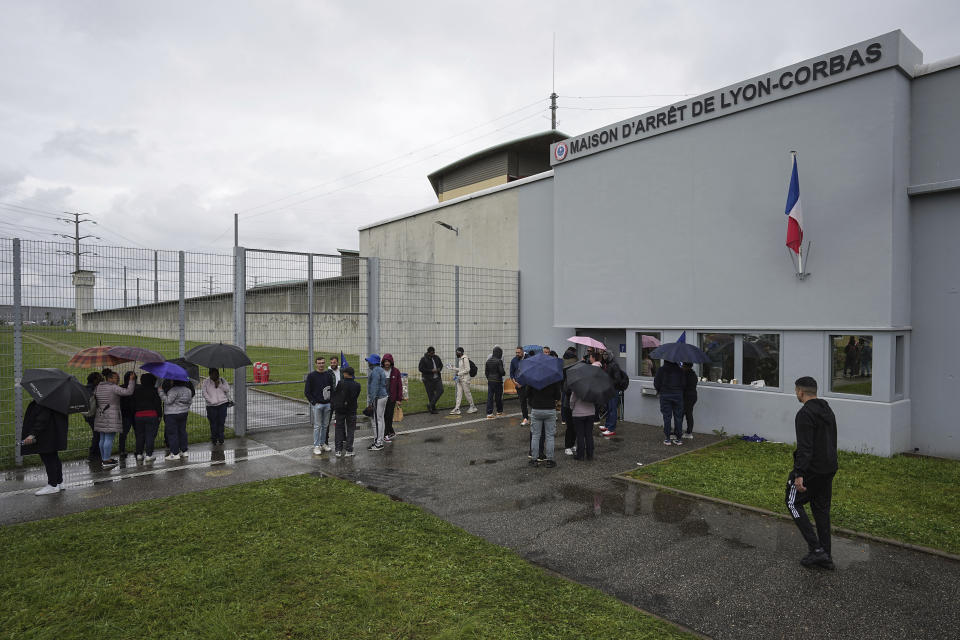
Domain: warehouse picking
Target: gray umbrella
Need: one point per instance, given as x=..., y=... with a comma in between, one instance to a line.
x=219, y=355
x=56, y=390
x=590, y=383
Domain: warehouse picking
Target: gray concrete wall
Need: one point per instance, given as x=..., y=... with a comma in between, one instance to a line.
x=487, y=238
x=690, y=224
x=934, y=347
x=934, y=130
x=536, y=266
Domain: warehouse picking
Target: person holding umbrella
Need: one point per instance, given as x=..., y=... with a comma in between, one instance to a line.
x=669, y=383
x=147, y=410
x=542, y=373
x=177, y=398
x=216, y=393
x=93, y=379
x=44, y=429
x=108, y=422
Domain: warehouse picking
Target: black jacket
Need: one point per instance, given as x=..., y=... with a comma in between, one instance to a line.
x=319, y=387
x=426, y=366
x=494, y=368
x=48, y=426
x=669, y=379
x=345, y=396
x=145, y=398
x=689, y=384
x=816, y=452
x=545, y=398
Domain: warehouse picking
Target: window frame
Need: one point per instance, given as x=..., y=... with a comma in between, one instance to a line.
x=828, y=362
x=738, y=359
x=639, y=337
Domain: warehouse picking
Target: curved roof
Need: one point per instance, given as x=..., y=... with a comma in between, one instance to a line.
x=533, y=142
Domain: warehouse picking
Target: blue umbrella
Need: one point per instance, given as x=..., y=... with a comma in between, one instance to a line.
x=166, y=370
x=532, y=347
x=679, y=352
x=540, y=371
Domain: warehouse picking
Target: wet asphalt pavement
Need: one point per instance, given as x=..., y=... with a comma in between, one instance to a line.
x=721, y=571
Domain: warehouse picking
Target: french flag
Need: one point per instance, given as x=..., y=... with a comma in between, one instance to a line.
x=794, y=212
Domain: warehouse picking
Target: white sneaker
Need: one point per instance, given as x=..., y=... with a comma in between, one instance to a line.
x=149, y=459
x=140, y=459
x=455, y=412
x=688, y=436
x=327, y=447
x=60, y=487
x=183, y=455
x=569, y=451
x=677, y=441
x=317, y=451
x=171, y=457
x=47, y=489
x=524, y=422
x=472, y=410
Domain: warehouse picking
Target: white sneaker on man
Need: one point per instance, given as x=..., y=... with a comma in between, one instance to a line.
x=569, y=451
x=183, y=455
x=472, y=410
x=327, y=447
x=170, y=457
x=317, y=451
x=149, y=459
x=47, y=490
x=688, y=436
x=455, y=412
x=524, y=422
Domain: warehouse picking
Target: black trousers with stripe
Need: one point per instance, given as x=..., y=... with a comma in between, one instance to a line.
x=819, y=494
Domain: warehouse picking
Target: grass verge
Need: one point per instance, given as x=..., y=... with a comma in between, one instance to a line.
x=300, y=557
x=906, y=498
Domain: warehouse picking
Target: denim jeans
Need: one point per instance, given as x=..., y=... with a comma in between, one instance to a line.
x=217, y=416
x=106, y=445
x=175, y=428
x=494, y=397
x=611, y=421
x=545, y=420
x=321, y=423
x=145, y=429
x=671, y=406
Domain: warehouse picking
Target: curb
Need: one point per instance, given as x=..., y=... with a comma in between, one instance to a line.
x=850, y=533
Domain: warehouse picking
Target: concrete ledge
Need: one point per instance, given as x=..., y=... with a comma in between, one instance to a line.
x=850, y=533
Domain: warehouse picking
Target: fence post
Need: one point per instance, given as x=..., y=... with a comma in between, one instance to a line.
x=240, y=339
x=17, y=352
x=456, y=306
x=181, y=307
x=519, y=340
x=373, y=306
x=156, y=278
x=310, y=309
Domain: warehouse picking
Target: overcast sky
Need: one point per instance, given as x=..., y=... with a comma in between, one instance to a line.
x=311, y=118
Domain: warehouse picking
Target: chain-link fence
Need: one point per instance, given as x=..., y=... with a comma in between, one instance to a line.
x=292, y=308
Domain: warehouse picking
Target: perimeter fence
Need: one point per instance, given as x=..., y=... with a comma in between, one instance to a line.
x=285, y=308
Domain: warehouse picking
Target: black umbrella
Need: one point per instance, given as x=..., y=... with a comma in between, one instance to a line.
x=219, y=355
x=192, y=370
x=679, y=352
x=56, y=390
x=590, y=383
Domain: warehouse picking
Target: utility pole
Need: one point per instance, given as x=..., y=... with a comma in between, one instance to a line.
x=138, y=291
x=553, y=87
x=76, y=237
x=210, y=290
x=124, y=287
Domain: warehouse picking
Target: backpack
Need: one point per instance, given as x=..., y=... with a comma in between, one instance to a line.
x=473, y=369
x=620, y=379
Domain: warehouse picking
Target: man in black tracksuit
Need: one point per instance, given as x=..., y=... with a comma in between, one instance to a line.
x=814, y=465
x=430, y=368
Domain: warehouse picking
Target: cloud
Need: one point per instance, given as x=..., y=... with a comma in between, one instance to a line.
x=102, y=147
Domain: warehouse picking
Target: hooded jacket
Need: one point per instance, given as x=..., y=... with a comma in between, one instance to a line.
x=394, y=380
x=427, y=364
x=494, y=367
x=816, y=452
x=669, y=379
x=49, y=427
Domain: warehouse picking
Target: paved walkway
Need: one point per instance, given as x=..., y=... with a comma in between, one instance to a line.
x=719, y=570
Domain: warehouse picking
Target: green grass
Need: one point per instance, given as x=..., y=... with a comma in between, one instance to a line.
x=906, y=498
x=300, y=557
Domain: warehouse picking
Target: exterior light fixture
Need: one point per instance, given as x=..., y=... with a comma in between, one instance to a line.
x=449, y=226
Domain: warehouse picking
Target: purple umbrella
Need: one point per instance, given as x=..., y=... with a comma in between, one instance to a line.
x=136, y=354
x=166, y=371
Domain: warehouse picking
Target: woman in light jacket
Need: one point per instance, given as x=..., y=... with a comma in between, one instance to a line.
x=216, y=393
x=107, y=421
x=177, y=398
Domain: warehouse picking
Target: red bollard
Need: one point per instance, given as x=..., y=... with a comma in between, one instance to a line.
x=265, y=372
x=257, y=367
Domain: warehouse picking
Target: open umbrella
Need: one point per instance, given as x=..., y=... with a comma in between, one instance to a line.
x=166, y=370
x=95, y=358
x=540, y=371
x=192, y=370
x=532, y=347
x=222, y=356
x=648, y=342
x=56, y=390
x=590, y=383
x=135, y=354
x=679, y=352
x=587, y=341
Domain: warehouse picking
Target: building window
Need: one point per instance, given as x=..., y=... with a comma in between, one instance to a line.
x=851, y=359
x=647, y=341
x=719, y=348
x=898, y=366
x=761, y=359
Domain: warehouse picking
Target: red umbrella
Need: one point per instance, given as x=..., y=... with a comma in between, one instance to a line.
x=95, y=358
